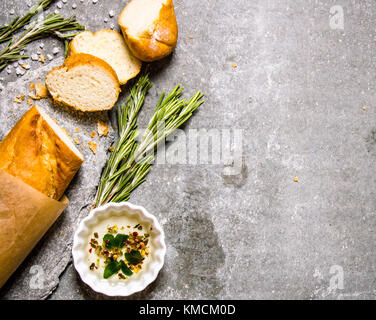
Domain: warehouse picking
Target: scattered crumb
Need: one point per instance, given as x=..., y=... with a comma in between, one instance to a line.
x=92, y=146
x=42, y=58
x=25, y=66
x=65, y=130
x=77, y=141
x=32, y=86
x=364, y=108
x=115, y=127
x=17, y=100
x=54, y=120
x=93, y=134
x=77, y=129
x=234, y=65
x=102, y=128
x=296, y=179
x=29, y=101
x=111, y=149
x=41, y=91
x=33, y=96
x=190, y=37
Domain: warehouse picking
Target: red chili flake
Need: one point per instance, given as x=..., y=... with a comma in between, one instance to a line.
x=90, y=250
x=135, y=234
x=106, y=252
x=107, y=241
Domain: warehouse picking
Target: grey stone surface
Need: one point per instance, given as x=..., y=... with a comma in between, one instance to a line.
x=297, y=94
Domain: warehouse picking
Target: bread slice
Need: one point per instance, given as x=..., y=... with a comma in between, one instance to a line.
x=85, y=83
x=108, y=45
x=38, y=152
x=149, y=28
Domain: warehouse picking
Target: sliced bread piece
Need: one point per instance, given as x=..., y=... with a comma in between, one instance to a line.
x=85, y=83
x=38, y=152
x=108, y=45
x=149, y=28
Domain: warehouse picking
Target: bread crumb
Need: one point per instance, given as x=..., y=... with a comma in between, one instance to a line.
x=65, y=130
x=102, y=128
x=93, y=134
x=32, y=96
x=364, y=108
x=296, y=179
x=76, y=141
x=32, y=86
x=41, y=91
x=17, y=100
x=42, y=58
x=29, y=101
x=92, y=146
x=190, y=37
x=234, y=65
x=111, y=149
x=77, y=129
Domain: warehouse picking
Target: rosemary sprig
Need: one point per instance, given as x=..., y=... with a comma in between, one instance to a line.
x=53, y=24
x=130, y=161
x=127, y=124
x=19, y=22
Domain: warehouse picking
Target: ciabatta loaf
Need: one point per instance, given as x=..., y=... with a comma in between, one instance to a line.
x=149, y=28
x=108, y=45
x=85, y=83
x=39, y=153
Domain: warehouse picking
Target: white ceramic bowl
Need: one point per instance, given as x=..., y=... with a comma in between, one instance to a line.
x=134, y=283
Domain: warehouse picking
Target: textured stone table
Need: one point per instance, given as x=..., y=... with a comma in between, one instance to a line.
x=297, y=81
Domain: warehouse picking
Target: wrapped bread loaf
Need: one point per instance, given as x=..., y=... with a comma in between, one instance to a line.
x=39, y=153
x=37, y=163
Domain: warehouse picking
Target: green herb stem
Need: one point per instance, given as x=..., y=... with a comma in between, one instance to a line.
x=7, y=31
x=130, y=161
x=53, y=24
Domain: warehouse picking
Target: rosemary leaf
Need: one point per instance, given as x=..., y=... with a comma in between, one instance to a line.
x=7, y=31
x=130, y=161
x=53, y=24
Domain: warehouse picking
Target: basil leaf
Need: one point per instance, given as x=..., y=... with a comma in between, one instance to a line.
x=119, y=241
x=134, y=257
x=125, y=269
x=112, y=268
x=109, y=240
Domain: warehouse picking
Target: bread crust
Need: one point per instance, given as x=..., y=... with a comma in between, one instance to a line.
x=73, y=50
x=157, y=42
x=80, y=59
x=33, y=152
